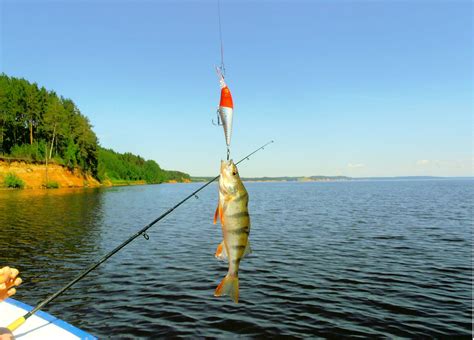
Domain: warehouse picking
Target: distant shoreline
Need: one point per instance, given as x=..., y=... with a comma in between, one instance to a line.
x=333, y=178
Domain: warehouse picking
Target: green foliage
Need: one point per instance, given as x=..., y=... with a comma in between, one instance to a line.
x=70, y=155
x=119, y=167
x=51, y=185
x=13, y=181
x=36, y=123
x=32, y=152
x=27, y=151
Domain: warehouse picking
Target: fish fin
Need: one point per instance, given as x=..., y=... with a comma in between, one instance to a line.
x=216, y=214
x=219, y=214
x=221, y=253
x=247, y=250
x=229, y=286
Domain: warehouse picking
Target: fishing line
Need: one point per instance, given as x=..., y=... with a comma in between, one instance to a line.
x=222, y=67
x=142, y=232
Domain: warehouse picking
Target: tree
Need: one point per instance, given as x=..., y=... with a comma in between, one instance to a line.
x=54, y=121
x=3, y=109
x=32, y=107
x=38, y=124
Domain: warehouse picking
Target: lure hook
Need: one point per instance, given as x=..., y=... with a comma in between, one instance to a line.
x=219, y=123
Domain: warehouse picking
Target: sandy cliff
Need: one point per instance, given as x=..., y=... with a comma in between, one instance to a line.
x=34, y=175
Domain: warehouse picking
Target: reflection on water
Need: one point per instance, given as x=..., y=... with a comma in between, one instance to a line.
x=356, y=258
x=49, y=233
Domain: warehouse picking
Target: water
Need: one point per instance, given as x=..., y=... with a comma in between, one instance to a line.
x=374, y=258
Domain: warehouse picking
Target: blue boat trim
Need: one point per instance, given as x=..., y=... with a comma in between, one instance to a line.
x=48, y=317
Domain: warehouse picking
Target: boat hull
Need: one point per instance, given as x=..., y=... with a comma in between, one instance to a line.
x=41, y=325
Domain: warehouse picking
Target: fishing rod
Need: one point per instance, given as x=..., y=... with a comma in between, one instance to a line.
x=18, y=322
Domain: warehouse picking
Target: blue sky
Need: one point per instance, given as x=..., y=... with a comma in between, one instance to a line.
x=357, y=88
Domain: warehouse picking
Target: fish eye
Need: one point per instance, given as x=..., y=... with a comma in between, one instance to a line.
x=234, y=173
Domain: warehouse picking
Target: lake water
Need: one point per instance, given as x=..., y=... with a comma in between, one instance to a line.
x=368, y=258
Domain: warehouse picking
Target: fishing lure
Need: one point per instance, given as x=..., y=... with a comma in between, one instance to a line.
x=226, y=108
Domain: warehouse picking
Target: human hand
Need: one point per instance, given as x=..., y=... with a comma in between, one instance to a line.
x=8, y=280
x=6, y=334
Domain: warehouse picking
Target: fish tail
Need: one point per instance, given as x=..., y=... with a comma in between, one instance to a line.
x=229, y=286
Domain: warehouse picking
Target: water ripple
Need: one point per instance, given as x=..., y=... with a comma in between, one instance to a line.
x=356, y=259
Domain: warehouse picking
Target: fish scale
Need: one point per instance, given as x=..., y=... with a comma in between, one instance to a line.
x=232, y=210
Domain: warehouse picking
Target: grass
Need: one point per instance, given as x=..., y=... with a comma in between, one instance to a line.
x=13, y=181
x=124, y=182
x=51, y=185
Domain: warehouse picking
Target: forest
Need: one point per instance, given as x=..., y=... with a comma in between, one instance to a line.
x=115, y=166
x=37, y=125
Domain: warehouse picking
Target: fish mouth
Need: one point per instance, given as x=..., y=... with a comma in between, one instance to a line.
x=225, y=165
x=229, y=171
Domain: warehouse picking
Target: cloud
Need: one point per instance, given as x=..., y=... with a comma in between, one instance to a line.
x=356, y=165
x=445, y=164
x=423, y=162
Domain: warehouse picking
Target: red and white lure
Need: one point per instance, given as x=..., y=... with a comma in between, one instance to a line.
x=226, y=108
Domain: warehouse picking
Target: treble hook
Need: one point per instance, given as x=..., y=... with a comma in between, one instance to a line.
x=219, y=123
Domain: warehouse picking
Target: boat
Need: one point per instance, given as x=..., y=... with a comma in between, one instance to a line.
x=40, y=325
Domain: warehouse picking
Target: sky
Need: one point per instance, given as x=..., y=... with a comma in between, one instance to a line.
x=354, y=88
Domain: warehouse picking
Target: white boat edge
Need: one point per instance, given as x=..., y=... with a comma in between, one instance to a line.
x=40, y=325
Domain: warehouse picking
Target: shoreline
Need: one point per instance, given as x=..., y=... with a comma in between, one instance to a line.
x=38, y=176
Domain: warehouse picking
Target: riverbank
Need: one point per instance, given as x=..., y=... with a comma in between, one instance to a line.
x=40, y=176
x=37, y=176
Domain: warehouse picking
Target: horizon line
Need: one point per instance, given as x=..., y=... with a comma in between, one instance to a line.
x=344, y=176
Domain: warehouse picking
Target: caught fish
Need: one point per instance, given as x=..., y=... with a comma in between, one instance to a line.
x=233, y=213
x=226, y=108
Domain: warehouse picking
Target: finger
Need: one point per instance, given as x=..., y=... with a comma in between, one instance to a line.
x=3, y=286
x=12, y=283
x=5, y=274
x=18, y=281
x=11, y=291
x=13, y=273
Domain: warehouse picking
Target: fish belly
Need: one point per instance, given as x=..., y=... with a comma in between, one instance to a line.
x=236, y=232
